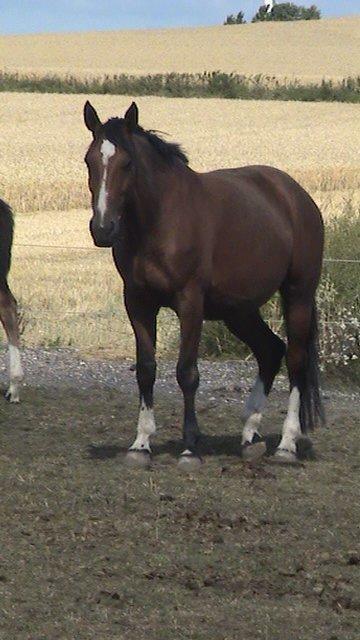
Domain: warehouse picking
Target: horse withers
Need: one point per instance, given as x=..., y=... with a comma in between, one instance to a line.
x=8, y=307
x=211, y=245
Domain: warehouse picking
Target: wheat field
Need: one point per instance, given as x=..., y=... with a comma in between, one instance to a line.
x=307, y=50
x=73, y=296
x=43, y=141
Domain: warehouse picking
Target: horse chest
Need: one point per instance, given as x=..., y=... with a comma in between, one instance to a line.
x=165, y=272
x=148, y=272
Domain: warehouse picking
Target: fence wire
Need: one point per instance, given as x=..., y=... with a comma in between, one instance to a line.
x=75, y=248
x=81, y=248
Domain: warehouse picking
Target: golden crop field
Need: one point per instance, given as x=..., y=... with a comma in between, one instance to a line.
x=309, y=50
x=71, y=296
x=43, y=141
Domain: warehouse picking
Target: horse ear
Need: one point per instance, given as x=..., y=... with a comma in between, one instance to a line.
x=91, y=118
x=132, y=117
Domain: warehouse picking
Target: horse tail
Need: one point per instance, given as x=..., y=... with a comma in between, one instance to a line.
x=6, y=239
x=311, y=406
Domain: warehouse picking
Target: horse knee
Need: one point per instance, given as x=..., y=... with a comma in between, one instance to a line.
x=145, y=373
x=187, y=376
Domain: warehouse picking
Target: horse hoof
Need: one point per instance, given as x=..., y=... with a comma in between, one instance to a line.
x=285, y=458
x=12, y=397
x=138, y=458
x=305, y=449
x=252, y=452
x=189, y=462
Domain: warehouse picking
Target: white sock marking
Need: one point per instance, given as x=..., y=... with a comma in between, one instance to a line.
x=291, y=429
x=253, y=411
x=146, y=427
x=252, y=426
x=16, y=370
x=107, y=150
x=16, y=373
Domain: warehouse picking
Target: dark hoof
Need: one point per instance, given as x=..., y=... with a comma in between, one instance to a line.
x=305, y=449
x=189, y=462
x=11, y=397
x=304, y=446
x=284, y=457
x=138, y=458
x=272, y=441
x=252, y=452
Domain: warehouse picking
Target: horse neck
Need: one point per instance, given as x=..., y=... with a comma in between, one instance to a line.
x=156, y=184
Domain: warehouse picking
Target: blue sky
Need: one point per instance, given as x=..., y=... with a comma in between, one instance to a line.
x=23, y=16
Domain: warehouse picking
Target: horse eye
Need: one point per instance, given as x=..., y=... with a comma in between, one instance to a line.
x=127, y=165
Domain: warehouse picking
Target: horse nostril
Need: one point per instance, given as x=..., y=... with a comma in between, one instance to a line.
x=103, y=234
x=107, y=229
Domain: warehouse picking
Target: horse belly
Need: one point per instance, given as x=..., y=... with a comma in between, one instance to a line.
x=251, y=276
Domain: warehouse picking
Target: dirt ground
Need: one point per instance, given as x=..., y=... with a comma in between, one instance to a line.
x=92, y=549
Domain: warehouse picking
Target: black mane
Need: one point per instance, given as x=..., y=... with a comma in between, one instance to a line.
x=169, y=151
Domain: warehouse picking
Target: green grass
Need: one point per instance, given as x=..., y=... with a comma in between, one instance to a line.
x=343, y=241
x=187, y=85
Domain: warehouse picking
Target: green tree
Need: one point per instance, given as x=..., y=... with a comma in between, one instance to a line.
x=287, y=11
x=238, y=19
x=312, y=13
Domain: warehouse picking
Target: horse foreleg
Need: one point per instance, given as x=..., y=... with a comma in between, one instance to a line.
x=190, y=313
x=9, y=319
x=143, y=320
x=253, y=411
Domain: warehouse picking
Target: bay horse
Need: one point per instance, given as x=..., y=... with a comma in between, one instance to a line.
x=8, y=306
x=211, y=245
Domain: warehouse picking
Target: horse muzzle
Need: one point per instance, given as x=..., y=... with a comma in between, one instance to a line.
x=103, y=235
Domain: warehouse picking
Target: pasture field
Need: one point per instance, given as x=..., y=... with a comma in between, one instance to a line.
x=90, y=549
x=73, y=297
x=307, y=50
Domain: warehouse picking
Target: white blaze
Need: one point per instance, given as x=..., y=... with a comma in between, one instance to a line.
x=107, y=150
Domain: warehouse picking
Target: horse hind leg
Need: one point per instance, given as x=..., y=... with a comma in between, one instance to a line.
x=268, y=350
x=9, y=319
x=304, y=407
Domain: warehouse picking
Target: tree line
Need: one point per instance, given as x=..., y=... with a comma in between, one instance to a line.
x=283, y=11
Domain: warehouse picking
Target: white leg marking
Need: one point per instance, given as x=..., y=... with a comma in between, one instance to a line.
x=146, y=427
x=16, y=370
x=107, y=150
x=253, y=411
x=291, y=429
x=16, y=373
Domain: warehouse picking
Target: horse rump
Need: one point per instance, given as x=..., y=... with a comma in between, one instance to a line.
x=6, y=239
